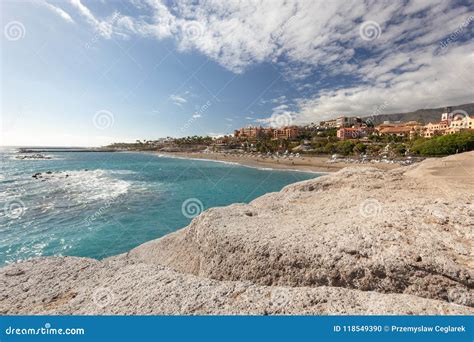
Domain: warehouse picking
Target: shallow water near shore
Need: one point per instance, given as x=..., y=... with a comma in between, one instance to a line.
x=101, y=204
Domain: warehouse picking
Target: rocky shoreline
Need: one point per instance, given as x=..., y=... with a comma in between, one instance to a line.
x=357, y=241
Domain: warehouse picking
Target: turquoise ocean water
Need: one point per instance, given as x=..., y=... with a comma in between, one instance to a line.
x=102, y=204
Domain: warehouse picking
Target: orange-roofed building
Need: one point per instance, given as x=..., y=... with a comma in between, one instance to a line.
x=406, y=129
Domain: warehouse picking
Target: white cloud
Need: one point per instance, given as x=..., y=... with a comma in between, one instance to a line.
x=280, y=108
x=303, y=37
x=59, y=11
x=312, y=33
x=83, y=10
x=104, y=27
x=445, y=80
x=157, y=21
x=178, y=100
x=280, y=99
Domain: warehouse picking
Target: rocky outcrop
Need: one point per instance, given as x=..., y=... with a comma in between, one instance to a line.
x=402, y=231
x=69, y=285
x=359, y=241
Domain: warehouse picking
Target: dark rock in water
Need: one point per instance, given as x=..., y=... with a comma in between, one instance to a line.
x=86, y=169
x=52, y=173
x=33, y=156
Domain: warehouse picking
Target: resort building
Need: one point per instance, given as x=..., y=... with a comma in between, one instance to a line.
x=404, y=129
x=434, y=129
x=450, y=123
x=347, y=121
x=289, y=132
x=328, y=124
x=342, y=121
x=253, y=132
x=353, y=132
x=438, y=128
x=460, y=124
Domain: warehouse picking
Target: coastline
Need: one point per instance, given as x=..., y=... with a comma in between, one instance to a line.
x=275, y=255
x=315, y=164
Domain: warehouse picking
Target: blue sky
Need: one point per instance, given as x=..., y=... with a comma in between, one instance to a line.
x=87, y=73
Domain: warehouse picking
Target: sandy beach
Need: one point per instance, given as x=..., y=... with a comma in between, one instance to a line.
x=302, y=163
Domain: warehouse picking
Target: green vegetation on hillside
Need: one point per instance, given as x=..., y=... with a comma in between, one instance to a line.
x=397, y=146
x=444, y=145
x=375, y=145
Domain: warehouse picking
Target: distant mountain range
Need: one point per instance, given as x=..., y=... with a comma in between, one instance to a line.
x=423, y=116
